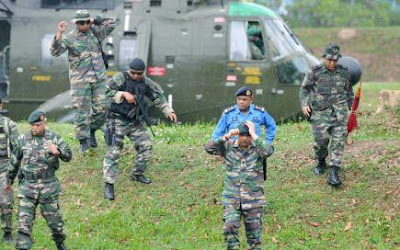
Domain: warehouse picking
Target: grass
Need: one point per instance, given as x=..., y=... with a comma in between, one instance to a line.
x=181, y=209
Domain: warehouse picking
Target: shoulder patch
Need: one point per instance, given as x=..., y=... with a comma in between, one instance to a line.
x=229, y=109
x=262, y=109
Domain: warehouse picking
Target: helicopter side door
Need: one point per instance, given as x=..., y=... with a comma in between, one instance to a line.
x=250, y=61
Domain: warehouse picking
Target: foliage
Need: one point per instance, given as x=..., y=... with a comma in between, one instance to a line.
x=341, y=13
x=181, y=209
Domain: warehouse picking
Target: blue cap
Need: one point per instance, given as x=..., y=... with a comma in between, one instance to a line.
x=244, y=91
x=137, y=64
x=36, y=116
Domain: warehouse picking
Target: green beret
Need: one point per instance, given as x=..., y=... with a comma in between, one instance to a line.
x=36, y=116
x=332, y=51
x=243, y=129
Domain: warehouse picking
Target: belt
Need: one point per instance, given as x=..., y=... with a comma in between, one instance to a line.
x=38, y=176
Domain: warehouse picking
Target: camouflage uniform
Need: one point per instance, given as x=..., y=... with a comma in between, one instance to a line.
x=8, y=141
x=243, y=193
x=87, y=74
x=330, y=96
x=132, y=128
x=39, y=185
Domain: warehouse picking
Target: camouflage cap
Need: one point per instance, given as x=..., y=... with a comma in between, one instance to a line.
x=244, y=91
x=81, y=15
x=36, y=116
x=243, y=129
x=332, y=52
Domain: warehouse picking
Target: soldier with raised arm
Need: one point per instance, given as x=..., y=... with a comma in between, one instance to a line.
x=243, y=195
x=87, y=72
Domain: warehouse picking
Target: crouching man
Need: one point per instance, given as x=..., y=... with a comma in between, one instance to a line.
x=243, y=194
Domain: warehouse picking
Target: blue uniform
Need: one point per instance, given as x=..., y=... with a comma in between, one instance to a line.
x=232, y=117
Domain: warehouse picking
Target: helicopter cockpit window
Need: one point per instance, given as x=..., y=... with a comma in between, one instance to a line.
x=281, y=42
x=292, y=71
x=78, y=4
x=127, y=52
x=49, y=61
x=246, y=41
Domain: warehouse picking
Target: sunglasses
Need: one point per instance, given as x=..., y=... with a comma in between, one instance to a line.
x=332, y=60
x=138, y=73
x=83, y=22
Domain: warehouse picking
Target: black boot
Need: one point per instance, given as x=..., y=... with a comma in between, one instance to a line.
x=61, y=246
x=141, y=178
x=320, y=168
x=84, y=147
x=8, y=237
x=92, y=141
x=109, y=191
x=333, y=178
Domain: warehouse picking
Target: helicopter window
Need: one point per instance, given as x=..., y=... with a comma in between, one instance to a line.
x=246, y=41
x=238, y=42
x=127, y=52
x=281, y=41
x=49, y=61
x=78, y=4
x=256, y=41
x=292, y=71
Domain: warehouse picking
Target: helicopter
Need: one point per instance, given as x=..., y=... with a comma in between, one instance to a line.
x=200, y=52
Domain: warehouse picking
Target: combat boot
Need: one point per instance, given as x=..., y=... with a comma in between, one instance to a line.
x=320, y=168
x=140, y=178
x=84, y=147
x=92, y=140
x=109, y=191
x=333, y=178
x=8, y=237
x=61, y=246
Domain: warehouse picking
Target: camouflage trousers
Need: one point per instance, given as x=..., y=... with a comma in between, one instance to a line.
x=252, y=222
x=6, y=203
x=50, y=210
x=139, y=137
x=89, y=103
x=329, y=136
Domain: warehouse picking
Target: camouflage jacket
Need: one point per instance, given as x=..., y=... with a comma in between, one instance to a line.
x=37, y=164
x=323, y=89
x=114, y=90
x=86, y=63
x=8, y=141
x=244, y=179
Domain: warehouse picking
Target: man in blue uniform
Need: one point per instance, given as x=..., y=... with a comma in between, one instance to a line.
x=244, y=110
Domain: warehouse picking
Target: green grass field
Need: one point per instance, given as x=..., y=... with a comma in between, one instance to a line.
x=181, y=209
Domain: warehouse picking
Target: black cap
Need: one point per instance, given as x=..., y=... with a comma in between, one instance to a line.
x=137, y=64
x=244, y=91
